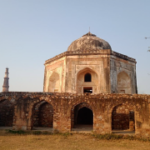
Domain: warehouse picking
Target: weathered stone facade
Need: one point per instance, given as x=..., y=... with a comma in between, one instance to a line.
x=65, y=106
x=111, y=72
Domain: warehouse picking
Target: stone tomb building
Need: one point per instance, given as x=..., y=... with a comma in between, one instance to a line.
x=88, y=87
x=90, y=65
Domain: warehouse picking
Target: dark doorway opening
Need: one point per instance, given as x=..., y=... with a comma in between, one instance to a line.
x=87, y=77
x=82, y=118
x=85, y=116
x=6, y=113
x=87, y=90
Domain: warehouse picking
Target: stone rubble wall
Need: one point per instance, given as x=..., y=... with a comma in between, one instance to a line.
x=63, y=104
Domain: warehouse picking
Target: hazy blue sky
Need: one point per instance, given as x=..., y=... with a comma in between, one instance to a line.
x=32, y=31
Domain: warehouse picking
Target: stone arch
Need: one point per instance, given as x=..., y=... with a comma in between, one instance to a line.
x=42, y=115
x=123, y=117
x=81, y=109
x=34, y=103
x=54, y=83
x=123, y=83
x=81, y=83
x=7, y=108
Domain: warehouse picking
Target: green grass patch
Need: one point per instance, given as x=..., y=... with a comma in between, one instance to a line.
x=17, y=132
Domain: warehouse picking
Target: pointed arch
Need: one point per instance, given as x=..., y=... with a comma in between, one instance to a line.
x=87, y=80
x=54, y=82
x=124, y=83
x=123, y=117
x=82, y=114
x=42, y=115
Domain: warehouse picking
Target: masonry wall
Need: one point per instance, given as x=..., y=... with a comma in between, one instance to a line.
x=123, y=117
x=102, y=106
x=6, y=113
x=54, y=76
x=111, y=72
x=97, y=65
x=117, y=66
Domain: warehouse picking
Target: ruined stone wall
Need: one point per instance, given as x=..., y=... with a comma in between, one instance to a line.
x=6, y=113
x=64, y=104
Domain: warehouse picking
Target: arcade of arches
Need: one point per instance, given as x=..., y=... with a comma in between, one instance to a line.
x=101, y=113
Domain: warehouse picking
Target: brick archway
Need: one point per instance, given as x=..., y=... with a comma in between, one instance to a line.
x=123, y=117
x=42, y=115
x=81, y=114
x=36, y=104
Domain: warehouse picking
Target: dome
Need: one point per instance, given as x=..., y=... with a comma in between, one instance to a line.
x=89, y=41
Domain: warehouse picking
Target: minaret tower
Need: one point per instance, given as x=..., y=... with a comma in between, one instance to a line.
x=6, y=82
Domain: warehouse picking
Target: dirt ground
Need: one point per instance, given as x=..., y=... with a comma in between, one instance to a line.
x=71, y=142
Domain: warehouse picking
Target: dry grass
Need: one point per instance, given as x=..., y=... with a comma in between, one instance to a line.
x=71, y=142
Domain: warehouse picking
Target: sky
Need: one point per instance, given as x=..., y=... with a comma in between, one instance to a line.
x=32, y=31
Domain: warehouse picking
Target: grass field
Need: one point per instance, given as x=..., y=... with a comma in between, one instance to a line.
x=70, y=142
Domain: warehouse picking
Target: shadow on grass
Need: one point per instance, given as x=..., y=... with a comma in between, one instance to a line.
x=67, y=134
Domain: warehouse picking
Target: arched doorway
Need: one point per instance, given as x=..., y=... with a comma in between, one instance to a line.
x=85, y=116
x=87, y=81
x=42, y=116
x=82, y=117
x=123, y=83
x=6, y=113
x=123, y=118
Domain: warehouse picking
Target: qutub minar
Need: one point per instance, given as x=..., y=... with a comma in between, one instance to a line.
x=6, y=82
x=88, y=88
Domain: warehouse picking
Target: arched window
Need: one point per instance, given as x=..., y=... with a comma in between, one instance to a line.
x=87, y=77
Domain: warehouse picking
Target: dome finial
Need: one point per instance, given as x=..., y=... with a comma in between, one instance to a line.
x=89, y=31
x=89, y=41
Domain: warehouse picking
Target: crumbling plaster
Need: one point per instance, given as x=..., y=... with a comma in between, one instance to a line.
x=63, y=104
x=106, y=64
